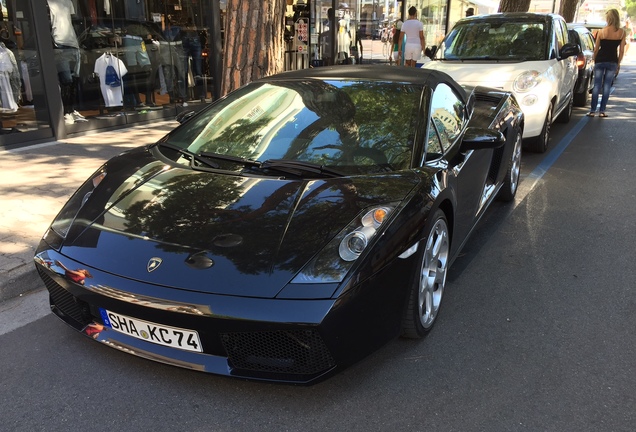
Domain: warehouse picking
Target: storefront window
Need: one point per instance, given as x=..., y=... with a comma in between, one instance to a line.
x=298, y=36
x=23, y=106
x=322, y=33
x=121, y=61
x=432, y=13
x=378, y=22
x=465, y=8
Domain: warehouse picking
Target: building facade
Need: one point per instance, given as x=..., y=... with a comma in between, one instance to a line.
x=72, y=66
x=68, y=66
x=361, y=29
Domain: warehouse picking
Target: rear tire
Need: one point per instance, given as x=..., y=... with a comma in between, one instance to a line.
x=429, y=281
x=566, y=114
x=580, y=99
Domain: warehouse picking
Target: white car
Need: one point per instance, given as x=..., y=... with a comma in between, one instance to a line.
x=527, y=54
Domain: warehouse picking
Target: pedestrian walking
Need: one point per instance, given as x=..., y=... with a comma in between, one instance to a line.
x=396, y=43
x=609, y=49
x=415, y=42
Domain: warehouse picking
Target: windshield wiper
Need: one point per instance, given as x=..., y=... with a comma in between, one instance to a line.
x=299, y=168
x=192, y=156
x=292, y=167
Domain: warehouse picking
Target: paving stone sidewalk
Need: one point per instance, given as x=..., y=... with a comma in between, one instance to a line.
x=36, y=181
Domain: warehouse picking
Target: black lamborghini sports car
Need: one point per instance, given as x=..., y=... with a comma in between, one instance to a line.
x=288, y=229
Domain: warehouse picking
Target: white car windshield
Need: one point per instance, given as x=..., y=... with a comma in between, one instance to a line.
x=495, y=40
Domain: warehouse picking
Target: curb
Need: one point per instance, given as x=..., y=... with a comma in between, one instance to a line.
x=69, y=162
x=20, y=281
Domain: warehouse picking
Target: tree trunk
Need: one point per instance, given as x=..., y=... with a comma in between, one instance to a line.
x=254, y=45
x=568, y=9
x=514, y=5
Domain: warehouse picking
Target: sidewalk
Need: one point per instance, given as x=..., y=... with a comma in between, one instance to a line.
x=36, y=181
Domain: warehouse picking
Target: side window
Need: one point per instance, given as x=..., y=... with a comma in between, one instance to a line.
x=434, y=148
x=561, y=33
x=448, y=115
x=589, y=41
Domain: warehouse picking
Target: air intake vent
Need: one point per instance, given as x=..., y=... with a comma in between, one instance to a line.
x=287, y=352
x=66, y=302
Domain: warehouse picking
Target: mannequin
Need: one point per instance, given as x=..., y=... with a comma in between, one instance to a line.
x=67, y=55
x=344, y=35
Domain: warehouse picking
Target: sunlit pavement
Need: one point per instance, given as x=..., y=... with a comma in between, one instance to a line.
x=35, y=181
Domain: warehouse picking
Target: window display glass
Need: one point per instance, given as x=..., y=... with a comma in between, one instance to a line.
x=432, y=13
x=324, y=31
x=121, y=61
x=360, y=30
x=23, y=106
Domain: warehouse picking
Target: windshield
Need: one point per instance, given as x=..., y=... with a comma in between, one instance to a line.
x=350, y=126
x=500, y=40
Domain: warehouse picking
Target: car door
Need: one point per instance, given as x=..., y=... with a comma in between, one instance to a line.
x=567, y=70
x=467, y=171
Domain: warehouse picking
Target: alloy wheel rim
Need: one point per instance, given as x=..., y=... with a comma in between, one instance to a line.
x=433, y=276
x=516, y=164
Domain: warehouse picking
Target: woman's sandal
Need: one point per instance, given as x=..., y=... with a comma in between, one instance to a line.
x=590, y=114
x=602, y=115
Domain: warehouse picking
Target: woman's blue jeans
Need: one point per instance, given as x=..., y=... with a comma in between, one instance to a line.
x=604, y=74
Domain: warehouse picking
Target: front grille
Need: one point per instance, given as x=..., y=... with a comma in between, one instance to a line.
x=287, y=352
x=66, y=302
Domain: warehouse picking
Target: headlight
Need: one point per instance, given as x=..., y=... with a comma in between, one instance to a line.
x=335, y=260
x=526, y=81
x=354, y=243
x=66, y=216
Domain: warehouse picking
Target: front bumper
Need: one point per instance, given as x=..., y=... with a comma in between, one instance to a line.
x=282, y=340
x=534, y=105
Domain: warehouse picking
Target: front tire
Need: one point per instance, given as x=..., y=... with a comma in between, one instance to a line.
x=540, y=143
x=427, y=286
x=511, y=181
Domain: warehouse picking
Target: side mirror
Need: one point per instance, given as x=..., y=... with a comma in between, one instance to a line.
x=569, y=50
x=433, y=50
x=479, y=138
x=184, y=116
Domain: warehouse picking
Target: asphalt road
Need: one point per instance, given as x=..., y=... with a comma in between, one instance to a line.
x=536, y=332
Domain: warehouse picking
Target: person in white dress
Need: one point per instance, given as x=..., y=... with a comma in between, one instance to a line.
x=415, y=44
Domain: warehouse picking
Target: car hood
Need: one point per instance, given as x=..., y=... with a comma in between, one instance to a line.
x=491, y=74
x=213, y=232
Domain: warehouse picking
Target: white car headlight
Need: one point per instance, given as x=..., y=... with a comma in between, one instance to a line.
x=526, y=81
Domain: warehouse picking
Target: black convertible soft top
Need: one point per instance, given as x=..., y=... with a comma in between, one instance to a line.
x=424, y=77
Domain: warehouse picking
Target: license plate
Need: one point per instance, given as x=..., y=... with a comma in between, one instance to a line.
x=152, y=332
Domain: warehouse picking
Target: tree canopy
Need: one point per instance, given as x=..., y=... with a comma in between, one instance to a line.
x=567, y=8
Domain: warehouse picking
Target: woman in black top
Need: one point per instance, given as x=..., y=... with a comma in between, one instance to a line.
x=608, y=54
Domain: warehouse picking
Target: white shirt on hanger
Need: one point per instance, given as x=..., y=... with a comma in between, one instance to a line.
x=113, y=96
